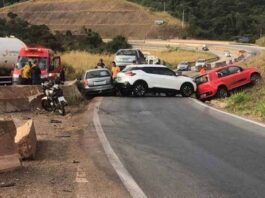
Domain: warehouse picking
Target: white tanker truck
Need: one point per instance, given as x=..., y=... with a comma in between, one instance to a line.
x=9, y=49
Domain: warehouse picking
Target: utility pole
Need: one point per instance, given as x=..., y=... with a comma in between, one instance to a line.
x=3, y=3
x=164, y=6
x=183, y=18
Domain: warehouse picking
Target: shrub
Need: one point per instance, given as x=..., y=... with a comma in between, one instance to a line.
x=118, y=42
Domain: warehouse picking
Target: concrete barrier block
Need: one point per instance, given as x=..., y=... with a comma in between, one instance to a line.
x=26, y=140
x=9, y=158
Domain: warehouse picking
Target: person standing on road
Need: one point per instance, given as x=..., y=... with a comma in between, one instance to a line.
x=114, y=70
x=203, y=70
x=100, y=64
x=35, y=74
x=25, y=74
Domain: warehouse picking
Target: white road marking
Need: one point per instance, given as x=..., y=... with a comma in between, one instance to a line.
x=229, y=114
x=126, y=178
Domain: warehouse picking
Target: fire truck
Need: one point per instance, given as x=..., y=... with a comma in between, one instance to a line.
x=47, y=61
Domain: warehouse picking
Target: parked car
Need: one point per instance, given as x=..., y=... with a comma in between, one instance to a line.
x=139, y=79
x=219, y=82
x=126, y=57
x=184, y=66
x=200, y=63
x=97, y=81
x=205, y=48
x=227, y=53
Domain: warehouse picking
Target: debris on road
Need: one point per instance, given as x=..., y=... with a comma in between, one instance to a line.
x=26, y=140
x=6, y=185
x=75, y=162
x=55, y=121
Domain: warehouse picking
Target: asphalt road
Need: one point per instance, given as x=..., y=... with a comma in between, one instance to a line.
x=174, y=147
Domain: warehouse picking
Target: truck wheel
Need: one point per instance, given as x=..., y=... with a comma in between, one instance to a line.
x=186, y=90
x=139, y=89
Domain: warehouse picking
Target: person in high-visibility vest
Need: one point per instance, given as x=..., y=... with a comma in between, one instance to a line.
x=114, y=69
x=25, y=74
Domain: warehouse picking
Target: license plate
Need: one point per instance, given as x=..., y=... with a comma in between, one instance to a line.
x=100, y=83
x=61, y=99
x=203, y=96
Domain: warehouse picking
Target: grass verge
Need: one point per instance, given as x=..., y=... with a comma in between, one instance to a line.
x=77, y=62
x=251, y=101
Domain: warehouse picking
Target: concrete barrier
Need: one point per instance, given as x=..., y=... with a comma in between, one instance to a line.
x=9, y=158
x=71, y=92
x=17, y=98
x=26, y=140
x=220, y=64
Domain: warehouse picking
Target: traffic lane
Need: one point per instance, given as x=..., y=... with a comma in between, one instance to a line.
x=172, y=148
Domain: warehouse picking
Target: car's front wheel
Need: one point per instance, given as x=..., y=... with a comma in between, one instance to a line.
x=139, y=89
x=222, y=92
x=255, y=78
x=186, y=90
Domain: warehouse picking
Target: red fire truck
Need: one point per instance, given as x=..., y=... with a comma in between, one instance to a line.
x=49, y=64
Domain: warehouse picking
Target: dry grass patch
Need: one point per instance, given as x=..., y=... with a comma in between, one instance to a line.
x=83, y=60
x=173, y=57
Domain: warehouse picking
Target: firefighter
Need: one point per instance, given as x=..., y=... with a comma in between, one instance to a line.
x=25, y=74
x=115, y=70
x=35, y=74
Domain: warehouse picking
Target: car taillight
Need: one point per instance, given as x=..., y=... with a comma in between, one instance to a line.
x=130, y=73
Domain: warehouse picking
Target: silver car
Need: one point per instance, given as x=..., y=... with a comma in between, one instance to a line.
x=126, y=57
x=184, y=66
x=97, y=81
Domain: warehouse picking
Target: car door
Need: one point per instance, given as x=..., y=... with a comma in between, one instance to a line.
x=238, y=77
x=166, y=78
x=152, y=76
x=225, y=77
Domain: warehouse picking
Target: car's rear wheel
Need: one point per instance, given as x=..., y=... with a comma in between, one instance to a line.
x=255, y=78
x=186, y=90
x=222, y=92
x=139, y=89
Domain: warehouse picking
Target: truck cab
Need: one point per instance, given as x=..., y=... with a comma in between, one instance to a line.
x=49, y=64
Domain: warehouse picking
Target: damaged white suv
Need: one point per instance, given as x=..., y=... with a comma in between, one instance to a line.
x=139, y=79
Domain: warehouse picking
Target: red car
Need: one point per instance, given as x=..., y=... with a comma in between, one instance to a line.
x=219, y=82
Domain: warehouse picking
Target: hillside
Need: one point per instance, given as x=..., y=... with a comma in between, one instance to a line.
x=216, y=19
x=108, y=17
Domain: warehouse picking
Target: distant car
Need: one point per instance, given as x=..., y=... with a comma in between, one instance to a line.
x=200, y=63
x=139, y=79
x=219, y=82
x=227, y=53
x=97, y=81
x=126, y=57
x=205, y=48
x=184, y=66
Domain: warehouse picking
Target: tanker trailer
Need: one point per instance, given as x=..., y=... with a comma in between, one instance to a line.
x=9, y=49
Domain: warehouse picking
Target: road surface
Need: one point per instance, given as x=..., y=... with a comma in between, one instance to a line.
x=174, y=147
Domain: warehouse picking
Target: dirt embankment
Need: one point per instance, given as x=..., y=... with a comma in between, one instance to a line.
x=70, y=161
x=108, y=17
